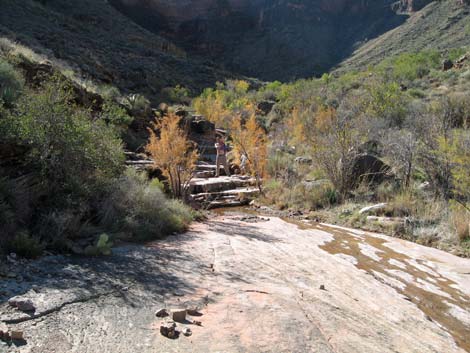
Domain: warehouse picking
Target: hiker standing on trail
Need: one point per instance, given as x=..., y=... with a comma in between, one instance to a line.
x=221, y=156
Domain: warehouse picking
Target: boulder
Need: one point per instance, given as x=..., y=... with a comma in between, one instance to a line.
x=199, y=125
x=447, y=65
x=368, y=168
x=265, y=107
x=386, y=221
x=303, y=160
x=462, y=59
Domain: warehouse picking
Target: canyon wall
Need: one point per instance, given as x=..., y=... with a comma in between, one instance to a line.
x=270, y=39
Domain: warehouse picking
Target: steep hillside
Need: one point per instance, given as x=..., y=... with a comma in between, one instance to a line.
x=440, y=25
x=96, y=40
x=271, y=40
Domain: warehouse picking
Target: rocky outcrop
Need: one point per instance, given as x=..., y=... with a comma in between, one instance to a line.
x=412, y=5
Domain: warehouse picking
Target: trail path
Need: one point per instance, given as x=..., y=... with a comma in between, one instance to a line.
x=262, y=286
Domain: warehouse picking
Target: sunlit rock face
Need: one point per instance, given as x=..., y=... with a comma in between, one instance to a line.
x=412, y=5
x=269, y=39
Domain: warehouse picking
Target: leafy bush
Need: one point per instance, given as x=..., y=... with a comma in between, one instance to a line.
x=177, y=94
x=410, y=66
x=140, y=209
x=137, y=104
x=24, y=245
x=103, y=246
x=71, y=153
x=56, y=227
x=11, y=83
x=115, y=115
x=16, y=198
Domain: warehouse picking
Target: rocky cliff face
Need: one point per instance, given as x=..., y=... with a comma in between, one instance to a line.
x=412, y=5
x=270, y=39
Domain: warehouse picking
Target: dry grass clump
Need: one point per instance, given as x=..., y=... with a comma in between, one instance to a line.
x=460, y=221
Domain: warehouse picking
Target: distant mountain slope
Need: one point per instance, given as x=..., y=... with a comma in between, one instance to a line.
x=98, y=41
x=440, y=25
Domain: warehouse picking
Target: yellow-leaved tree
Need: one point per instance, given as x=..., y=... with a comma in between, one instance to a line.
x=251, y=140
x=173, y=153
x=211, y=104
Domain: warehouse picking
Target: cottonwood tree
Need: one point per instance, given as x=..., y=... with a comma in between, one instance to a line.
x=173, y=153
x=250, y=139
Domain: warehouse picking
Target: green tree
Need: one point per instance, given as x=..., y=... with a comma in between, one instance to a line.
x=71, y=152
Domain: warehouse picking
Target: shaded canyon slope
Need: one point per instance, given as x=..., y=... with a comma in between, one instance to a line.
x=93, y=39
x=268, y=39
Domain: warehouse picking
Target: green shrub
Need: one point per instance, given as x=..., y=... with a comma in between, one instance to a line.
x=115, y=115
x=141, y=210
x=281, y=165
x=157, y=183
x=24, y=245
x=11, y=83
x=456, y=53
x=16, y=198
x=57, y=227
x=177, y=94
x=72, y=153
x=109, y=93
x=410, y=66
x=103, y=246
x=137, y=104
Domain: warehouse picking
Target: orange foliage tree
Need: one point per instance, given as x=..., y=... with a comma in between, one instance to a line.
x=251, y=140
x=172, y=152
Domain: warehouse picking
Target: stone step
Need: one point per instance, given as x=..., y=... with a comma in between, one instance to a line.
x=206, y=174
x=223, y=204
x=235, y=194
x=208, y=157
x=223, y=183
x=207, y=148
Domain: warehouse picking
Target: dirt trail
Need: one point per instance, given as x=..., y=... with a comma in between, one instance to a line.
x=267, y=286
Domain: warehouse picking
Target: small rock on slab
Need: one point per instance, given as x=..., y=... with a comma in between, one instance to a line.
x=193, y=312
x=16, y=335
x=169, y=330
x=187, y=332
x=162, y=313
x=322, y=287
x=178, y=315
x=22, y=304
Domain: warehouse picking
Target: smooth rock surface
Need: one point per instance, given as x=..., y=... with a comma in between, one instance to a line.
x=258, y=289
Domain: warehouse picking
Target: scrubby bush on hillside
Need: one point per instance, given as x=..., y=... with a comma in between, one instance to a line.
x=140, y=209
x=71, y=153
x=11, y=83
